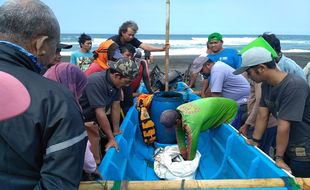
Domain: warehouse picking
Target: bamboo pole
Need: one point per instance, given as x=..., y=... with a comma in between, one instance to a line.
x=191, y=184
x=167, y=42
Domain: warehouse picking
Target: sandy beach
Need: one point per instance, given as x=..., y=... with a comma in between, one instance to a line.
x=181, y=62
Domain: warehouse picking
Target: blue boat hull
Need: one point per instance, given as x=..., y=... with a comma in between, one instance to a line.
x=224, y=155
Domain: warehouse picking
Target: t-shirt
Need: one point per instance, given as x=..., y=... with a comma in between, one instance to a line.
x=99, y=92
x=83, y=60
x=307, y=72
x=117, y=39
x=222, y=80
x=201, y=115
x=289, y=66
x=290, y=101
x=227, y=55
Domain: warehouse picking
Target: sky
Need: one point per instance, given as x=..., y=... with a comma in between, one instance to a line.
x=186, y=16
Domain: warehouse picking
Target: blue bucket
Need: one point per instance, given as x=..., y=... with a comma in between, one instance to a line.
x=163, y=101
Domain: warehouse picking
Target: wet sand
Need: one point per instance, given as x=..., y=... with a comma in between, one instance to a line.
x=181, y=62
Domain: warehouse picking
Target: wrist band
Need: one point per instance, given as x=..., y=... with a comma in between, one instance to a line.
x=256, y=140
x=278, y=157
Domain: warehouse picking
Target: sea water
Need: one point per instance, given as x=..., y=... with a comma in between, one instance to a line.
x=193, y=44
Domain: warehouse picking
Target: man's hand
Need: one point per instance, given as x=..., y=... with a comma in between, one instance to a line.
x=244, y=129
x=166, y=46
x=111, y=143
x=203, y=94
x=281, y=164
x=117, y=131
x=251, y=142
x=184, y=154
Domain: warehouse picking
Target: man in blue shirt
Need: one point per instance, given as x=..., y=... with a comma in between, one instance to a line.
x=285, y=64
x=218, y=53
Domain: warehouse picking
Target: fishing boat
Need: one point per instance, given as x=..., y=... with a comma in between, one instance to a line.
x=224, y=153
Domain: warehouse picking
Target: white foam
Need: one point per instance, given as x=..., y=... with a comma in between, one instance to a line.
x=296, y=51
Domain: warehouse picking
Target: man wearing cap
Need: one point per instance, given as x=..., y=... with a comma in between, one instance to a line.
x=223, y=83
x=218, y=53
x=195, y=117
x=287, y=98
x=102, y=96
x=194, y=76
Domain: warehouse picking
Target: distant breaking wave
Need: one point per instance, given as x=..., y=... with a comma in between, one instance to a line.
x=194, y=44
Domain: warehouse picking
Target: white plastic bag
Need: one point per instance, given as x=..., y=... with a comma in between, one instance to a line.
x=169, y=164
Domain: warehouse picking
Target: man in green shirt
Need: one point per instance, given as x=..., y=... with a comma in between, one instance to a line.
x=197, y=116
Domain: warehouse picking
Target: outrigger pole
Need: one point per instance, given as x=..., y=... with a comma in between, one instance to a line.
x=167, y=42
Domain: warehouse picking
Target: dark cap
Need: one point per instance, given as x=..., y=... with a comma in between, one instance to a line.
x=63, y=46
x=273, y=41
x=215, y=36
x=125, y=66
x=168, y=118
x=198, y=63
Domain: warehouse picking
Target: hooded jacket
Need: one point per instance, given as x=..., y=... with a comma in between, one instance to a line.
x=42, y=146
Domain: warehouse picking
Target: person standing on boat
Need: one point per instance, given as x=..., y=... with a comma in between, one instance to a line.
x=126, y=34
x=101, y=96
x=287, y=97
x=42, y=135
x=192, y=118
x=223, y=83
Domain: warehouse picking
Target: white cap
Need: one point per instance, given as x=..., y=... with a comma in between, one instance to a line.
x=252, y=57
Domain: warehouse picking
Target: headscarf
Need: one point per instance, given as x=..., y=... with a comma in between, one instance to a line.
x=107, y=50
x=69, y=75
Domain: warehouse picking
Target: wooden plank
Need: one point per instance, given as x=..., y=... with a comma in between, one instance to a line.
x=190, y=184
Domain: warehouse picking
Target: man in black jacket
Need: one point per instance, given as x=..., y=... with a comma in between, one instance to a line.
x=42, y=137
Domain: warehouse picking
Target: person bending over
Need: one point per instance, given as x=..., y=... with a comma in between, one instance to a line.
x=197, y=116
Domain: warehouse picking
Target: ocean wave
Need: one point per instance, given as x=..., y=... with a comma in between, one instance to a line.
x=194, y=51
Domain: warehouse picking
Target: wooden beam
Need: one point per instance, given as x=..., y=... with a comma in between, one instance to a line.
x=304, y=183
x=167, y=42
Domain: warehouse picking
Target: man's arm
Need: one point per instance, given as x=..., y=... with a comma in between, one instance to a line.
x=106, y=127
x=283, y=132
x=115, y=113
x=193, y=80
x=146, y=77
x=216, y=94
x=149, y=47
x=205, y=86
x=260, y=125
x=252, y=113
